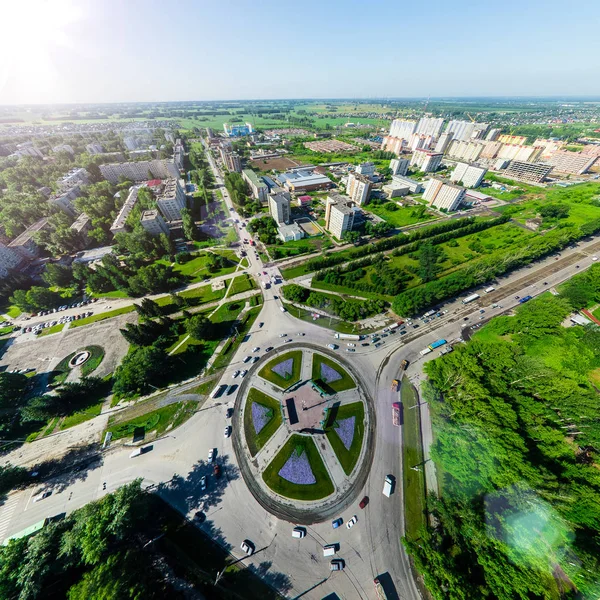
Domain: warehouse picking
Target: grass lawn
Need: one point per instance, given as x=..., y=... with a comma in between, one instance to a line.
x=333, y=324
x=54, y=329
x=158, y=420
x=82, y=416
x=283, y=382
x=93, y=362
x=113, y=294
x=103, y=316
x=405, y=215
x=348, y=458
x=345, y=383
x=255, y=440
x=61, y=371
x=6, y=330
x=323, y=486
x=241, y=283
x=412, y=455
x=228, y=311
x=200, y=295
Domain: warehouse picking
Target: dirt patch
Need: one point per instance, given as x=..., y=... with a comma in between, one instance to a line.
x=308, y=227
x=279, y=164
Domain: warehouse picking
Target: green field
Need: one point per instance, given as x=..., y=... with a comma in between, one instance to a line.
x=404, y=216
x=81, y=416
x=241, y=283
x=348, y=458
x=267, y=373
x=102, y=316
x=199, y=295
x=323, y=486
x=54, y=329
x=256, y=441
x=345, y=383
x=197, y=270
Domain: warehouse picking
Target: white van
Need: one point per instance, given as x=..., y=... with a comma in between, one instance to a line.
x=388, y=486
x=298, y=532
x=330, y=549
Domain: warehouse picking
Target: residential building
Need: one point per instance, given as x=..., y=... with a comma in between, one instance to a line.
x=413, y=186
x=132, y=143
x=94, y=148
x=466, y=130
x=28, y=149
x=549, y=147
x=431, y=126
x=171, y=199
x=493, y=135
x=468, y=175
x=491, y=149
x=532, y=172
x=233, y=162
x=303, y=180
x=64, y=200
x=401, y=128
x=169, y=137
x=426, y=160
x=10, y=260
x=591, y=149
x=399, y=166
x=443, y=142
x=82, y=226
x=25, y=244
x=358, y=188
x=518, y=140
x=393, y=144
x=468, y=151
x=304, y=201
x=279, y=207
x=153, y=223
x=259, y=188
x=339, y=215
x=64, y=148
x=179, y=154
x=418, y=141
x=367, y=169
x=519, y=152
x=140, y=170
x=237, y=130
x=443, y=195
x=118, y=225
x=72, y=178
x=574, y=163
x=290, y=233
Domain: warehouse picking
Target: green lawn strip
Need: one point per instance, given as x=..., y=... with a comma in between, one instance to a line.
x=348, y=458
x=340, y=289
x=200, y=295
x=228, y=311
x=113, y=294
x=82, y=416
x=61, y=370
x=403, y=216
x=412, y=455
x=345, y=383
x=334, y=324
x=54, y=329
x=242, y=283
x=255, y=440
x=102, y=316
x=323, y=486
x=5, y=330
x=13, y=312
x=267, y=373
x=157, y=420
x=93, y=362
x=596, y=313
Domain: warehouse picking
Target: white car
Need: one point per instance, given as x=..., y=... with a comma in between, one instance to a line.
x=352, y=522
x=203, y=482
x=236, y=374
x=282, y=334
x=332, y=346
x=594, y=258
x=300, y=334
x=227, y=432
x=243, y=373
x=351, y=345
x=42, y=495
x=211, y=455
x=255, y=349
x=247, y=547
x=247, y=359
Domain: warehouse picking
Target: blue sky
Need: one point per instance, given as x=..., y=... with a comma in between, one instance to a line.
x=134, y=50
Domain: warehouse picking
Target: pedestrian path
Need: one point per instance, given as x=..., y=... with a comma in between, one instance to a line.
x=6, y=513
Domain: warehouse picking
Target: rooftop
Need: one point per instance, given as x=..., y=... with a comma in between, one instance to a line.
x=254, y=178
x=28, y=233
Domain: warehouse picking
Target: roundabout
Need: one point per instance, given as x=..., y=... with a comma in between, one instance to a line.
x=303, y=433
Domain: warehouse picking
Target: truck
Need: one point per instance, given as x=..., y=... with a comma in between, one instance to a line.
x=395, y=385
x=470, y=298
x=429, y=313
x=381, y=593
x=404, y=363
x=396, y=413
x=394, y=326
x=347, y=336
x=525, y=299
x=489, y=289
x=425, y=351
x=437, y=344
x=388, y=486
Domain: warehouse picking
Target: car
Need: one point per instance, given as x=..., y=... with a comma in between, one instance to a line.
x=217, y=471
x=301, y=333
x=255, y=349
x=351, y=345
x=256, y=359
x=43, y=494
x=352, y=522
x=481, y=317
x=517, y=297
x=403, y=332
x=282, y=334
x=365, y=344
x=211, y=455
x=264, y=272
x=416, y=326
x=465, y=318
x=236, y=374
x=261, y=324
x=288, y=340
x=276, y=298
x=594, y=258
x=229, y=413
x=269, y=349
x=332, y=346
x=299, y=532
x=364, y=502
x=247, y=359
x=378, y=344
x=337, y=564
x=243, y=373
x=203, y=482
x=337, y=522
x=227, y=431
x=545, y=283
x=231, y=389
x=247, y=547
x=481, y=311
x=350, y=350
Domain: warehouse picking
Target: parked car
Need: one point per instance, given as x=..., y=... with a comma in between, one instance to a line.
x=211, y=455
x=337, y=564
x=203, y=483
x=227, y=432
x=337, y=522
x=352, y=522
x=363, y=503
x=247, y=547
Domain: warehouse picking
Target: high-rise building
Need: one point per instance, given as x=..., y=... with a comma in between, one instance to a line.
x=426, y=160
x=171, y=199
x=470, y=176
x=571, y=162
x=430, y=126
x=279, y=207
x=393, y=144
x=493, y=135
x=443, y=142
x=399, y=166
x=519, y=152
x=443, y=195
x=517, y=140
x=549, y=147
x=140, y=170
x=400, y=128
x=466, y=130
x=259, y=188
x=358, y=188
x=233, y=162
x=468, y=151
x=10, y=260
x=153, y=223
x=339, y=215
x=94, y=148
x=533, y=172
x=420, y=141
x=367, y=169
x=179, y=154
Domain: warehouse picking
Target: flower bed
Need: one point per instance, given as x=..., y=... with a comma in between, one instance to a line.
x=284, y=370
x=345, y=430
x=262, y=418
x=297, y=469
x=346, y=434
x=330, y=375
x=261, y=415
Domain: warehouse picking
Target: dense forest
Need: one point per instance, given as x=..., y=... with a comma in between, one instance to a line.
x=517, y=443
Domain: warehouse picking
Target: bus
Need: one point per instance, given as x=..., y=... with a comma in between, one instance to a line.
x=381, y=593
x=470, y=298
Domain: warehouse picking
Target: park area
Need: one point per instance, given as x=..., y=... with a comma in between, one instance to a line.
x=262, y=418
x=330, y=376
x=346, y=433
x=401, y=216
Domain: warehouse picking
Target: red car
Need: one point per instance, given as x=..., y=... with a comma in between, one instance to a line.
x=364, y=502
x=217, y=471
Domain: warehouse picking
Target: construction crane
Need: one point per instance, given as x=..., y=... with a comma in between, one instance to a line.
x=470, y=117
x=427, y=103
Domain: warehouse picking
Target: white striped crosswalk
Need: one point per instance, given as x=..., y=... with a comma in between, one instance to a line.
x=6, y=513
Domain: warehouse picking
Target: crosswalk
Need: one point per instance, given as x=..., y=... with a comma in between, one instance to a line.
x=6, y=513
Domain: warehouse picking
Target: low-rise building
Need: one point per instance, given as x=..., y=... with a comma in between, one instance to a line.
x=399, y=166
x=426, y=160
x=394, y=190
x=414, y=186
x=358, y=188
x=64, y=148
x=82, y=226
x=303, y=180
x=279, y=207
x=153, y=223
x=468, y=175
x=64, y=200
x=367, y=169
x=25, y=244
x=526, y=171
x=443, y=195
x=290, y=233
x=72, y=178
x=171, y=199
x=304, y=201
x=94, y=148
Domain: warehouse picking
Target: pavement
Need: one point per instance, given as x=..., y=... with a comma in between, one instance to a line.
x=177, y=461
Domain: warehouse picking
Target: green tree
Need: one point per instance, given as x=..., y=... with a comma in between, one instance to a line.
x=140, y=370
x=12, y=388
x=429, y=256
x=58, y=275
x=197, y=326
x=190, y=231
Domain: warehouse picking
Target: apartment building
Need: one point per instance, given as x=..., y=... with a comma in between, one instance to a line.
x=394, y=144
x=400, y=128
x=525, y=171
x=72, y=178
x=443, y=195
x=574, y=163
x=94, y=148
x=466, y=130
x=171, y=199
x=179, y=154
x=399, y=166
x=10, y=260
x=153, y=223
x=493, y=135
x=418, y=141
x=140, y=170
x=426, y=160
x=517, y=140
x=367, y=169
x=468, y=175
x=259, y=189
x=549, y=147
x=64, y=148
x=82, y=226
x=358, y=188
x=279, y=207
x=25, y=244
x=64, y=200
x=118, y=225
x=519, y=152
x=443, y=142
x=233, y=162
x=339, y=215
x=430, y=126
x=468, y=151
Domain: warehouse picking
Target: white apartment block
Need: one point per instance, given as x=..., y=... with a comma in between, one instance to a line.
x=420, y=141
x=279, y=207
x=574, y=163
x=402, y=129
x=259, y=188
x=72, y=178
x=464, y=150
x=118, y=225
x=492, y=135
x=393, y=144
x=171, y=199
x=339, y=216
x=443, y=142
x=431, y=126
x=178, y=154
x=399, y=166
x=549, y=147
x=468, y=175
x=94, y=148
x=140, y=171
x=426, y=160
x=153, y=223
x=64, y=200
x=466, y=130
x=443, y=195
x=64, y=148
x=519, y=152
x=367, y=169
x=358, y=188
x=9, y=260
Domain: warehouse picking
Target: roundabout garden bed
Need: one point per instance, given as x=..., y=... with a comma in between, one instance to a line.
x=329, y=375
x=262, y=418
x=346, y=433
x=284, y=370
x=60, y=373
